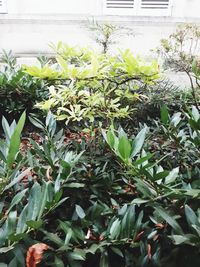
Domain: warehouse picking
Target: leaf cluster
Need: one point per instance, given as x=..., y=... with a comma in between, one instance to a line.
x=18, y=90
x=88, y=87
x=115, y=199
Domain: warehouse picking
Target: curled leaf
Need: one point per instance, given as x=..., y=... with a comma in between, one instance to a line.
x=34, y=254
x=149, y=251
x=138, y=236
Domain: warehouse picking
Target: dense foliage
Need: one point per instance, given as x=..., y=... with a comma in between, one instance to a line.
x=135, y=203
x=90, y=88
x=18, y=90
x=117, y=184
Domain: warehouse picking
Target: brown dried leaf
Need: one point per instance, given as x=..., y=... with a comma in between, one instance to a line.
x=48, y=174
x=35, y=253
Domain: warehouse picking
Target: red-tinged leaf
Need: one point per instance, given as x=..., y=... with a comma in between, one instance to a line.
x=138, y=236
x=149, y=251
x=160, y=226
x=155, y=238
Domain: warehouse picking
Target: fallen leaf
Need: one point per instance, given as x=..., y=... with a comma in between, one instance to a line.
x=35, y=253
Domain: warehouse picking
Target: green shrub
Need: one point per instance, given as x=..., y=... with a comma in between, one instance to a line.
x=108, y=196
x=120, y=200
x=90, y=88
x=18, y=90
x=28, y=193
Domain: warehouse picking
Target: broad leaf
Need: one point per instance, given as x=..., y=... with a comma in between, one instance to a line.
x=80, y=212
x=138, y=142
x=15, y=141
x=164, y=115
x=169, y=219
x=124, y=148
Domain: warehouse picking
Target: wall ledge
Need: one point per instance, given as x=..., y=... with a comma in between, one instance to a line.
x=71, y=19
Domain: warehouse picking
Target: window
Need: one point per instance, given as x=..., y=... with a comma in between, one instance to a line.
x=3, y=6
x=138, y=7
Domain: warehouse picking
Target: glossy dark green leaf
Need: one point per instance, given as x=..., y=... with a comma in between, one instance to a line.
x=104, y=262
x=17, y=198
x=138, y=142
x=37, y=123
x=170, y=220
x=43, y=199
x=17, y=179
x=15, y=140
x=115, y=229
x=80, y=212
x=191, y=216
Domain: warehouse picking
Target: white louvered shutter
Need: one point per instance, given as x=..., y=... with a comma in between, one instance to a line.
x=119, y=7
x=154, y=7
x=138, y=7
x=3, y=6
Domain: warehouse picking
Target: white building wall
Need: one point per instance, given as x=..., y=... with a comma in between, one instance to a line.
x=53, y=6
x=180, y=8
x=31, y=25
x=186, y=8
x=192, y=8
